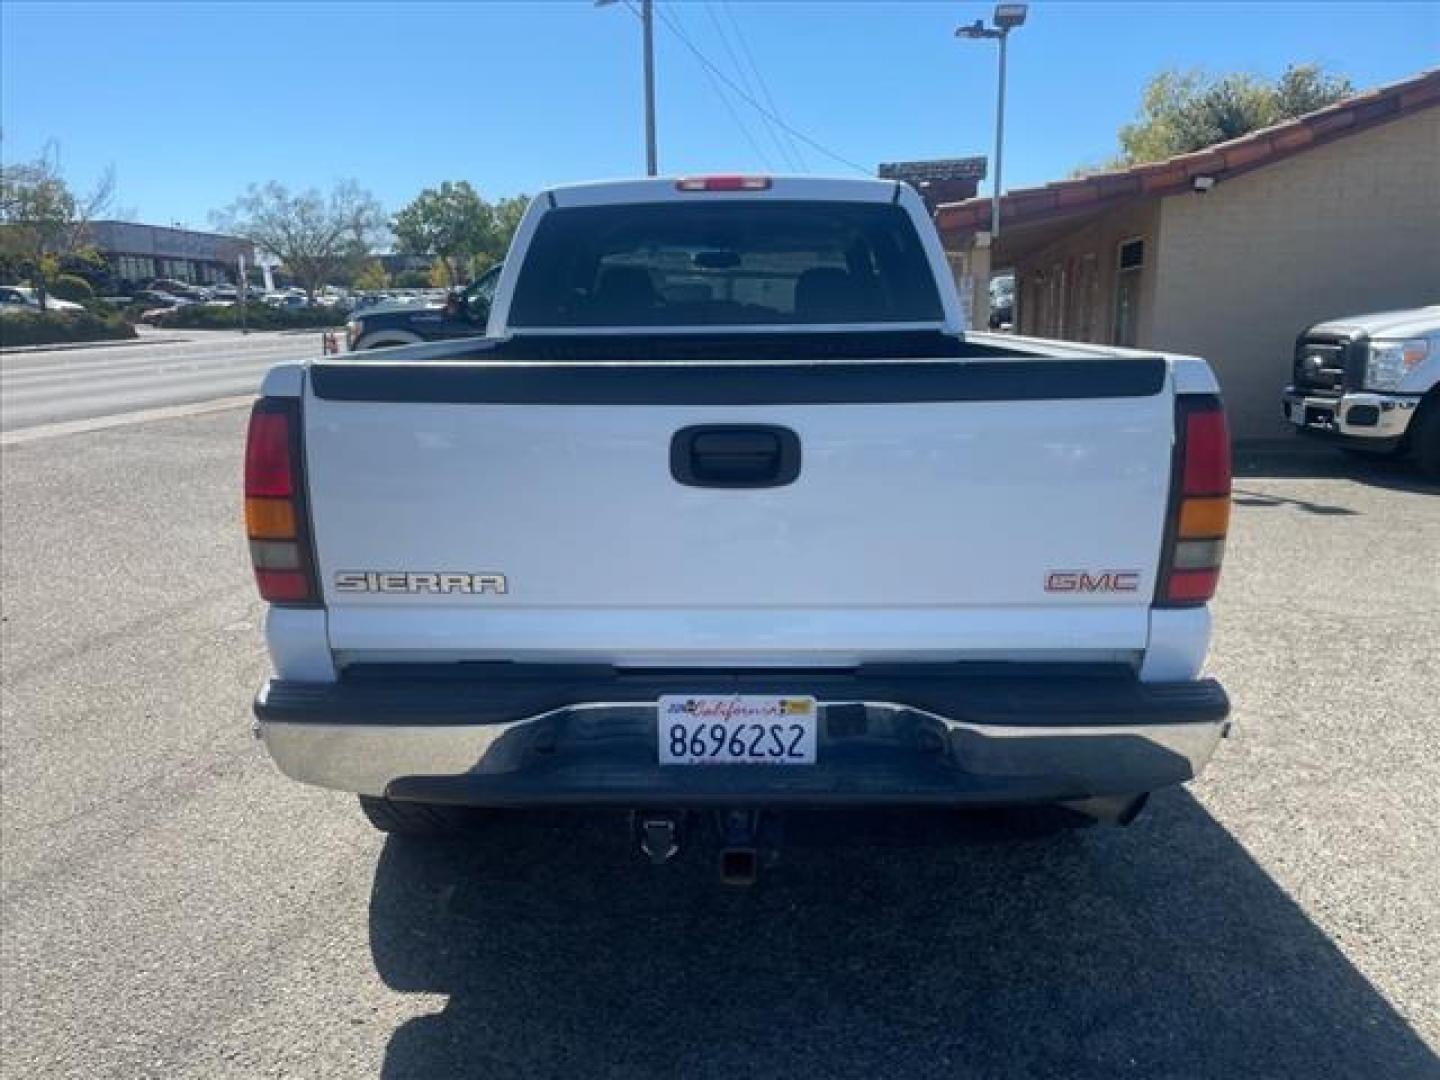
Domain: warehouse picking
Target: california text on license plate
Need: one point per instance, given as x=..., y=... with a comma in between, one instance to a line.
x=697, y=729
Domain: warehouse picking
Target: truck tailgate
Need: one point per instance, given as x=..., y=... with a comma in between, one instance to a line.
x=938, y=510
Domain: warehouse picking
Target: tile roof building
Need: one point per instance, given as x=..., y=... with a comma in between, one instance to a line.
x=1231, y=251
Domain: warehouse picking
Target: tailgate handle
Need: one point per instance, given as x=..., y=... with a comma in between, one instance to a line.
x=735, y=455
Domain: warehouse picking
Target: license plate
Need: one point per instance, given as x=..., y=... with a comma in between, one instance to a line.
x=747, y=729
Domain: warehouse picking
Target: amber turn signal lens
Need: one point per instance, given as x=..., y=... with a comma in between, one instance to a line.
x=270, y=519
x=1205, y=517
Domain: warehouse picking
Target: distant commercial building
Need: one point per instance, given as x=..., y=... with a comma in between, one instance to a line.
x=946, y=180
x=394, y=265
x=940, y=181
x=137, y=254
x=1232, y=251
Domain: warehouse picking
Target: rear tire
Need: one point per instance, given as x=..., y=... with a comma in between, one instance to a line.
x=416, y=819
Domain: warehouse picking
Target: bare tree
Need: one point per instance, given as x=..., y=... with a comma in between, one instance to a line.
x=313, y=235
x=42, y=221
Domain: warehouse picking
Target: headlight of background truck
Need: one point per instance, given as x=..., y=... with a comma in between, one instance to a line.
x=353, y=329
x=1390, y=361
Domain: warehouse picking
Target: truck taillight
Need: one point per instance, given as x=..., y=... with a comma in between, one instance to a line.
x=1199, y=508
x=275, y=518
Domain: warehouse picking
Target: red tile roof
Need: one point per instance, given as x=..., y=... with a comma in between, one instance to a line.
x=1221, y=161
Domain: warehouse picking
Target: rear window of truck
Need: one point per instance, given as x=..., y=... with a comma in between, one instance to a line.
x=725, y=263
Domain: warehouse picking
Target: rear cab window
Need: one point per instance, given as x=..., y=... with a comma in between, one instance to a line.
x=725, y=263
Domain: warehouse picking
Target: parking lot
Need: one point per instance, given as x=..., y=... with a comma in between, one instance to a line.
x=173, y=907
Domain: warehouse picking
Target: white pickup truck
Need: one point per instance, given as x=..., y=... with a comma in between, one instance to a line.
x=1371, y=384
x=728, y=514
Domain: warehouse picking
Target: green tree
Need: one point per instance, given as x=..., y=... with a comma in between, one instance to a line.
x=441, y=276
x=71, y=287
x=451, y=222
x=43, y=222
x=1182, y=111
x=508, y=213
x=314, y=236
x=1306, y=87
x=372, y=277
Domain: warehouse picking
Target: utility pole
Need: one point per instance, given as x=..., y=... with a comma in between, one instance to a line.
x=240, y=296
x=647, y=29
x=647, y=21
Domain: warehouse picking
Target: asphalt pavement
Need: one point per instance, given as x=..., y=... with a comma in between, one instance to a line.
x=172, y=907
x=164, y=367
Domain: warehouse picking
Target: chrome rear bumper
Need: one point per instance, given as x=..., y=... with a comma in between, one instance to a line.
x=869, y=753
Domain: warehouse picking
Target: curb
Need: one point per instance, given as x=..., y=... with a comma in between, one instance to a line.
x=67, y=346
x=116, y=420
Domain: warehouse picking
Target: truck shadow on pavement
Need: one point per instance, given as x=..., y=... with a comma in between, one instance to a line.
x=1245, y=497
x=1161, y=950
x=1328, y=463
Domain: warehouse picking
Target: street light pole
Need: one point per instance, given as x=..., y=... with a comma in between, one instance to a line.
x=647, y=21
x=1007, y=18
x=999, y=141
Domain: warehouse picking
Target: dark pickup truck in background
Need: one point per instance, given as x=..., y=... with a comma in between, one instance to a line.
x=463, y=315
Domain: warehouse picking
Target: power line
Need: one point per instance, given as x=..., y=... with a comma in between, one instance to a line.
x=774, y=132
x=734, y=115
x=760, y=79
x=750, y=100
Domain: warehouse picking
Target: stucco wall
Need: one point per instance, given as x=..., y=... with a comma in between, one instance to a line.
x=1345, y=228
x=1100, y=239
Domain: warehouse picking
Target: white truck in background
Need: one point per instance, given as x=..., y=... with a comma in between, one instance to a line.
x=727, y=515
x=1371, y=384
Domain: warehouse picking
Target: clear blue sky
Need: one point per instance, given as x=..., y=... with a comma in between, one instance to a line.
x=191, y=102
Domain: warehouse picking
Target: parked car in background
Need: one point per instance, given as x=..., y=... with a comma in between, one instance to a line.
x=26, y=297
x=157, y=298
x=1371, y=384
x=156, y=305
x=463, y=314
x=287, y=300
x=182, y=289
x=1002, y=302
x=368, y=300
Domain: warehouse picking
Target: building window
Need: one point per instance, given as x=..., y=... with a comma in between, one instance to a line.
x=1082, y=326
x=1127, y=291
x=135, y=269
x=1035, y=309
x=1059, y=290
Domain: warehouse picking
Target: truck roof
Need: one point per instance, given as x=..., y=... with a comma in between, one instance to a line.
x=666, y=189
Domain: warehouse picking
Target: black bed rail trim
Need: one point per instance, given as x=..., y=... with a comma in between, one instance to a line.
x=509, y=383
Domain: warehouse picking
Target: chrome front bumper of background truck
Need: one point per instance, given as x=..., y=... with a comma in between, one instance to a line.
x=1359, y=415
